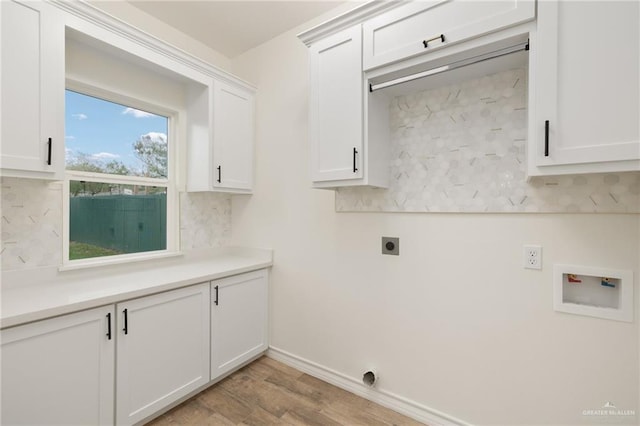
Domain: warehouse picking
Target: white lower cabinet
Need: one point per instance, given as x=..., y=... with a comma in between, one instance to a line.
x=239, y=320
x=121, y=364
x=162, y=351
x=59, y=371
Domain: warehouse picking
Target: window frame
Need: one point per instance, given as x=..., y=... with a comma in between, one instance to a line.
x=170, y=183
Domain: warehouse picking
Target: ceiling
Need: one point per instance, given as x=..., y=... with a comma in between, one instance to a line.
x=233, y=27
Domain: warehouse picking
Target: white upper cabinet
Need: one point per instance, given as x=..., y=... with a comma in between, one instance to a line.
x=423, y=26
x=233, y=136
x=336, y=107
x=586, y=115
x=162, y=351
x=59, y=371
x=220, y=107
x=32, y=87
x=239, y=320
x=343, y=150
x=220, y=135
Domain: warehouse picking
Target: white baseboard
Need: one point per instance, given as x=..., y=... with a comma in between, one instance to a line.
x=394, y=402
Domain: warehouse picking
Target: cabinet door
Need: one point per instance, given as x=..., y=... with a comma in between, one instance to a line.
x=233, y=136
x=239, y=320
x=59, y=371
x=163, y=350
x=423, y=26
x=32, y=86
x=335, y=121
x=586, y=67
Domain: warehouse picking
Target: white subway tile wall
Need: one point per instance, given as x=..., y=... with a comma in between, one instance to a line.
x=461, y=148
x=31, y=227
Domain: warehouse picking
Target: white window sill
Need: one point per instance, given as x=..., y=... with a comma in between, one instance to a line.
x=116, y=260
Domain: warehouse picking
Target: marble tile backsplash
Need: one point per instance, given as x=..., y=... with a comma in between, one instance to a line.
x=31, y=226
x=31, y=223
x=461, y=148
x=205, y=220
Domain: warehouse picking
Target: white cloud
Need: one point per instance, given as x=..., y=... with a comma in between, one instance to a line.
x=79, y=116
x=155, y=136
x=104, y=156
x=69, y=137
x=137, y=113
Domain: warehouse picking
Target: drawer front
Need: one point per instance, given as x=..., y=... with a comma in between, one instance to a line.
x=425, y=26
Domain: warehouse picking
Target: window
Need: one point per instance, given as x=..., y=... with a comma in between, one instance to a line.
x=119, y=180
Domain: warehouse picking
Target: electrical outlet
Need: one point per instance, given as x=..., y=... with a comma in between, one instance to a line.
x=532, y=257
x=391, y=245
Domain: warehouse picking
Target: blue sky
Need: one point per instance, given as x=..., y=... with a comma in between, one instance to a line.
x=105, y=130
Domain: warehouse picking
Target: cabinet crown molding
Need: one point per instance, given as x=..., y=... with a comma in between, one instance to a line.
x=91, y=13
x=352, y=17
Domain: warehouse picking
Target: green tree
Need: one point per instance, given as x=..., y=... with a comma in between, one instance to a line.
x=116, y=167
x=85, y=163
x=151, y=150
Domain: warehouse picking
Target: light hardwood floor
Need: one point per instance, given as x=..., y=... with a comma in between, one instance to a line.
x=267, y=392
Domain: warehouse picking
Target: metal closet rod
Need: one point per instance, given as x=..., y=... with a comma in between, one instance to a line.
x=454, y=65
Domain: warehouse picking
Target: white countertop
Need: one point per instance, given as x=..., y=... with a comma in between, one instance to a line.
x=42, y=293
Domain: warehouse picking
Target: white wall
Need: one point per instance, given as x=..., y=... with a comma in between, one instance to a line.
x=454, y=323
x=136, y=17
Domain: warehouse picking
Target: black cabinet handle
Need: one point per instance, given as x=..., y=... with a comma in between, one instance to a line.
x=49, y=152
x=216, y=301
x=426, y=42
x=355, y=153
x=546, y=138
x=109, y=326
x=219, y=174
x=126, y=326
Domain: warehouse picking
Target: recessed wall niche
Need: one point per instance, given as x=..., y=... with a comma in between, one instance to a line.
x=596, y=292
x=461, y=148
